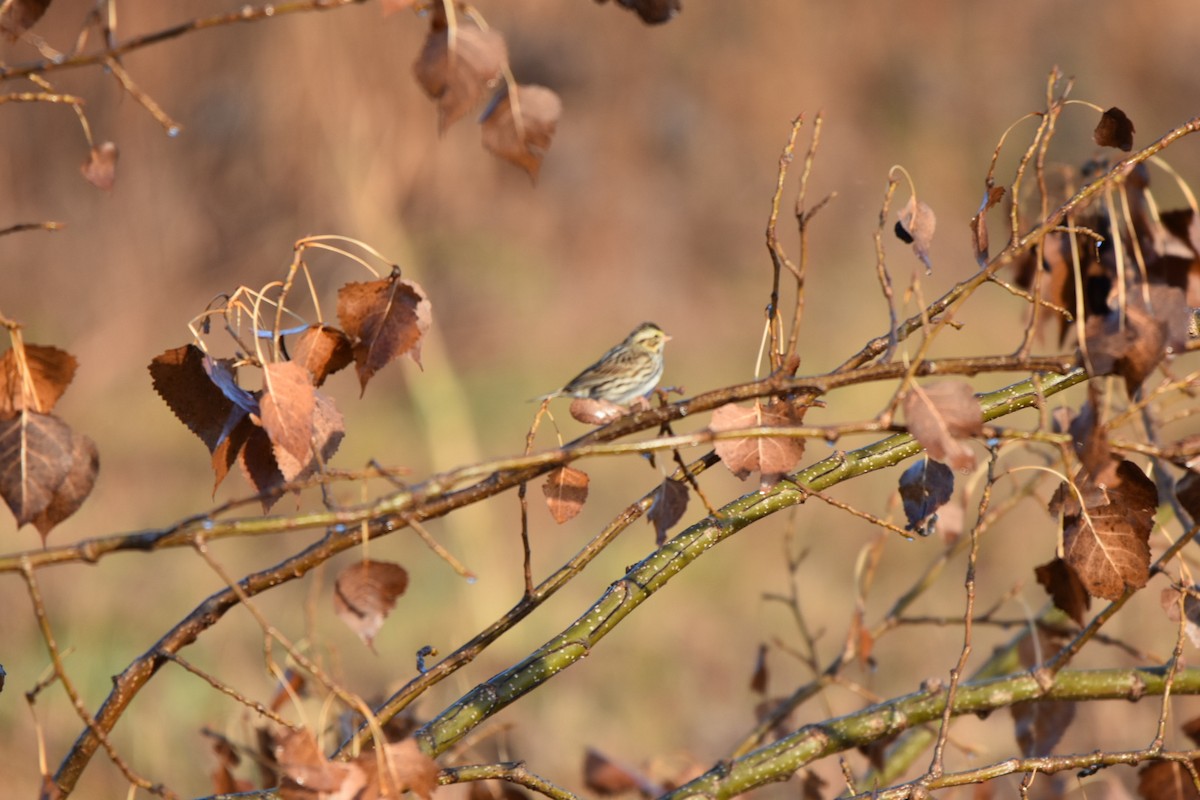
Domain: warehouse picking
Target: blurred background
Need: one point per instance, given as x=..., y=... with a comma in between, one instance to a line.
x=651, y=205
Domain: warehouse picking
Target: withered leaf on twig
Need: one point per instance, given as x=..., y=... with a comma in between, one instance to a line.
x=566, y=490
x=365, y=593
x=384, y=319
x=924, y=488
x=941, y=416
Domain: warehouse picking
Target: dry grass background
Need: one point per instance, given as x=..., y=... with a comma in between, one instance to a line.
x=651, y=205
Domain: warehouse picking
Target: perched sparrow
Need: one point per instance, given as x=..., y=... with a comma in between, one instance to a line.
x=628, y=371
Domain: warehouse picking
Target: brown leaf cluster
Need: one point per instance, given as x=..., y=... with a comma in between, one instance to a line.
x=282, y=432
x=772, y=456
x=287, y=429
x=1136, y=316
x=460, y=64
x=305, y=773
x=47, y=469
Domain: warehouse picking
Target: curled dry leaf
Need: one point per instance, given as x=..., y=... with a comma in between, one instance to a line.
x=322, y=350
x=566, y=490
x=47, y=470
x=772, y=456
x=18, y=16
x=100, y=170
x=925, y=487
x=365, y=593
x=1064, y=588
x=457, y=71
x=667, y=507
x=522, y=132
x=915, y=226
x=384, y=319
x=50, y=372
x=979, y=229
x=1106, y=538
x=940, y=415
x=1114, y=130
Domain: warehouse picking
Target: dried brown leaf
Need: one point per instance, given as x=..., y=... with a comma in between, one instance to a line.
x=1133, y=344
x=1064, y=588
x=772, y=456
x=669, y=503
x=940, y=415
x=322, y=350
x=458, y=75
x=606, y=777
x=1106, y=539
x=1187, y=491
x=384, y=319
x=412, y=770
x=761, y=676
x=1170, y=598
x=1090, y=439
x=1191, y=729
x=75, y=487
x=100, y=170
x=288, y=402
x=979, y=228
x=50, y=371
x=925, y=487
x=365, y=593
x=566, y=490
x=46, y=469
x=522, y=138
x=183, y=378
x=1114, y=130
x=304, y=771
x=256, y=457
x=915, y=226
x=1184, y=225
x=1167, y=780
x=652, y=12
x=1040, y=724
x=18, y=16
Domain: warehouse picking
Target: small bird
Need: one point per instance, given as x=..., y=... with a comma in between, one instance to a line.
x=628, y=371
